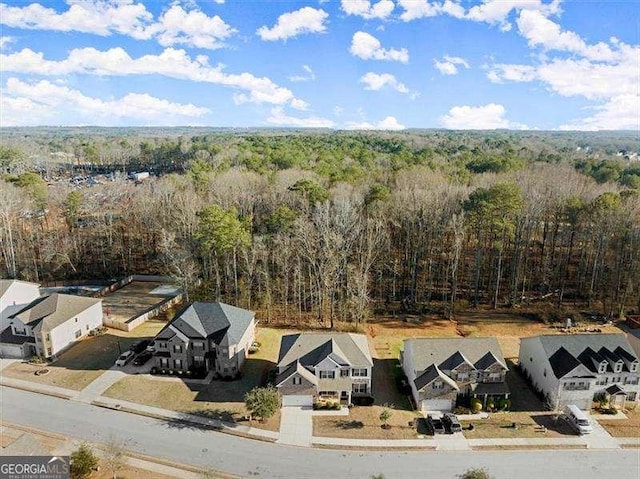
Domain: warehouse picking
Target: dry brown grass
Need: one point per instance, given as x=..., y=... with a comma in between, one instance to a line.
x=629, y=427
x=364, y=423
x=498, y=426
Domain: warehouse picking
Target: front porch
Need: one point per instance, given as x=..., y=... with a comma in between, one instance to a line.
x=491, y=392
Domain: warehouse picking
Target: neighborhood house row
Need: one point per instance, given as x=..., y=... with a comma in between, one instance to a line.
x=213, y=337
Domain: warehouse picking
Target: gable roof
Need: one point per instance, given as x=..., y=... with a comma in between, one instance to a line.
x=218, y=321
x=431, y=374
x=427, y=351
x=562, y=362
x=488, y=360
x=585, y=348
x=294, y=368
x=47, y=312
x=5, y=284
x=311, y=348
x=453, y=361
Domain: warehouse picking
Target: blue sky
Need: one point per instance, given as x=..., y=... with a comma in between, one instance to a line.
x=342, y=64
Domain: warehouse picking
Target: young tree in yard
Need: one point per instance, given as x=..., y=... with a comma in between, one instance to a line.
x=385, y=415
x=478, y=473
x=83, y=461
x=262, y=402
x=114, y=457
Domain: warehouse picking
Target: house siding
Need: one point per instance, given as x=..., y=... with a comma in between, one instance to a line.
x=64, y=335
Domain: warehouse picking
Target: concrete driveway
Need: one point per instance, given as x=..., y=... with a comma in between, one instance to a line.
x=296, y=426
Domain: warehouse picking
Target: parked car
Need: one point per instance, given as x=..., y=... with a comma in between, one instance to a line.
x=578, y=419
x=435, y=425
x=140, y=346
x=451, y=423
x=142, y=358
x=124, y=358
x=151, y=347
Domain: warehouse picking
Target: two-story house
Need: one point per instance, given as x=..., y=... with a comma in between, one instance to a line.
x=439, y=370
x=14, y=295
x=333, y=366
x=206, y=337
x=49, y=325
x=572, y=368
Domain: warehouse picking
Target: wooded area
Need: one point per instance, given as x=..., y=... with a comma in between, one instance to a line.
x=331, y=225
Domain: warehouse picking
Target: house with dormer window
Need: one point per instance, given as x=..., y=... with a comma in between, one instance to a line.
x=442, y=370
x=333, y=366
x=572, y=368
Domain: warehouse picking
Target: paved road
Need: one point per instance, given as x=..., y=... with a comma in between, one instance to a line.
x=255, y=459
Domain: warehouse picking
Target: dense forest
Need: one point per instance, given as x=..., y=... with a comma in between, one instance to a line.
x=334, y=226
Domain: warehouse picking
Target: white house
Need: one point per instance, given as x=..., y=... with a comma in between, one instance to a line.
x=49, y=325
x=335, y=366
x=14, y=295
x=572, y=368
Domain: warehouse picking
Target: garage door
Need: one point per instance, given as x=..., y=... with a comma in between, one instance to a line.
x=437, y=405
x=8, y=350
x=297, y=400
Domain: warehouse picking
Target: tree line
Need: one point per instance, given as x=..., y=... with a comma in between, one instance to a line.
x=339, y=226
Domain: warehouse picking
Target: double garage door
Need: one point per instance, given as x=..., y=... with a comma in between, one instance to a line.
x=444, y=405
x=297, y=400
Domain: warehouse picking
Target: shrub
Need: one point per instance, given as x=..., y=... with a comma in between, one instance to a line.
x=475, y=474
x=83, y=462
x=491, y=405
x=263, y=402
x=476, y=405
x=37, y=360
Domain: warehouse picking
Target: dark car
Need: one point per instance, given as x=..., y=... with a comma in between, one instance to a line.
x=435, y=425
x=451, y=423
x=140, y=346
x=142, y=358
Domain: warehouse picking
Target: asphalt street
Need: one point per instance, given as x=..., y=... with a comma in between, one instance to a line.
x=256, y=459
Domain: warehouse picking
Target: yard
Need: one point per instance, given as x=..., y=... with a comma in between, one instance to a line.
x=629, y=427
x=223, y=399
x=364, y=423
x=500, y=425
x=83, y=362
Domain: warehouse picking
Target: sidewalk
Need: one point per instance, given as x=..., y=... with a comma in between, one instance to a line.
x=99, y=385
x=374, y=443
x=37, y=387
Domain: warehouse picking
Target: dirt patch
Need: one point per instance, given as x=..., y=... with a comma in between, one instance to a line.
x=364, y=423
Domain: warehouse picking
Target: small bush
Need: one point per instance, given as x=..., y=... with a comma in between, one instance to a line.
x=476, y=405
x=83, y=462
x=37, y=360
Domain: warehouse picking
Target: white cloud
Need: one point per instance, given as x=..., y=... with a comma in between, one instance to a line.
x=368, y=47
x=619, y=113
x=175, y=26
x=194, y=28
x=496, y=12
x=487, y=117
x=310, y=76
x=5, y=41
x=292, y=24
x=388, y=123
x=34, y=103
x=172, y=63
x=449, y=65
x=367, y=9
x=416, y=9
x=376, y=81
x=280, y=118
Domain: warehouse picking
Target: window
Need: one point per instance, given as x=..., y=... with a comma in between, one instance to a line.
x=327, y=374
x=603, y=368
x=544, y=373
x=359, y=373
x=633, y=367
x=177, y=348
x=344, y=373
x=48, y=337
x=631, y=380
x=631, y=396
x=198, y=361
x=177, y=363
x=48, y=351
x=297, y=381
x=329, y=394
x=198, y=345
x=78, y=333
x=463, y=376
x=87, y=327
x=494, y=377
x=164, y=363
x=618, y=368
x=602, y=381
x=359, y=388
x=438, y=385
x=75, y=319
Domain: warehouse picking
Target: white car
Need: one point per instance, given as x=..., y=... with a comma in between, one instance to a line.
x=124, y=358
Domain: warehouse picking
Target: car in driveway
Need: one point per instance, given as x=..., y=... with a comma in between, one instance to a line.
x=435, y=425
x=140, y=346
x=451, y=423
x=142, y=358
x=124, y=358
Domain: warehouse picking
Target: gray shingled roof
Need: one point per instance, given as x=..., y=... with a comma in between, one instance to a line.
x=432, y=373
x=428, y=351
x=562, y=362
x=218, y=321
x=5, y=284
x=311, y=348
x=47, y=312
x=296, y=367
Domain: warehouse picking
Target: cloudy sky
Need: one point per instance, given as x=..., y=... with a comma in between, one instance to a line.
x=343, y=64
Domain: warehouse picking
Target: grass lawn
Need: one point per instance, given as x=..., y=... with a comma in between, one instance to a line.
x=87, y=359
x=364, y=423
x=498, y=425
x=629, y=427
